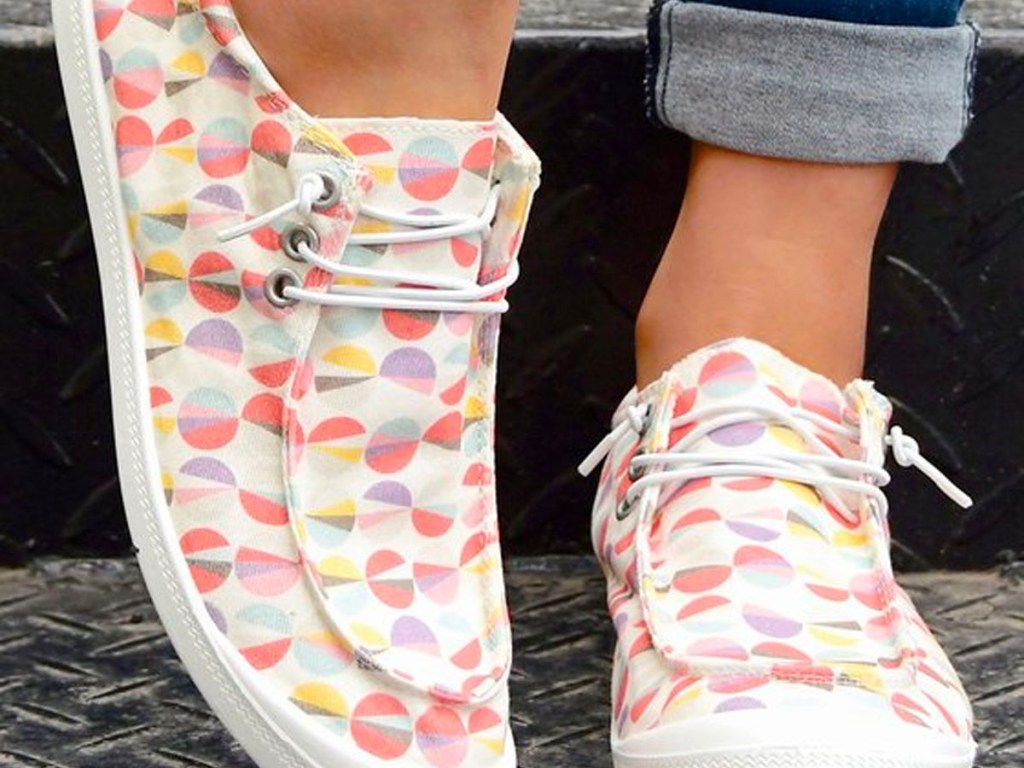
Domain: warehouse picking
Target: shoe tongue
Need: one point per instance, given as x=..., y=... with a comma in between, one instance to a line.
x=736, y=374
x=734, y=564
x=740, y=374
x=422, y=167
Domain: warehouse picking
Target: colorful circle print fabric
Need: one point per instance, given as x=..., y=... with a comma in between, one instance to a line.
x=749, y=593
x=329, y=471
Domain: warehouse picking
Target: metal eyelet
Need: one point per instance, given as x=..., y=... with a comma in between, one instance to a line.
x=275, y=285
x=332, y=192
x=661, y=581
x=634, y=472
x=624, y=510
x=295, y=237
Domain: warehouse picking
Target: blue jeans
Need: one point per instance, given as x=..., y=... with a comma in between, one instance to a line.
x=896, y=13
x=845, y=81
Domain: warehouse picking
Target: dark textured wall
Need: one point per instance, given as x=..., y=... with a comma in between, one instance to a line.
x=947, y=323
x=947, y=327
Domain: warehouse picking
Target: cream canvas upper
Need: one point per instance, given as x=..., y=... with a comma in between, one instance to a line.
x=328, y=471
x=744, y=597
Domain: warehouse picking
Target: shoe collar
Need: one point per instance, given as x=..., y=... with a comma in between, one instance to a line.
x=857, y=404
x=224, y=26
x=746, y=376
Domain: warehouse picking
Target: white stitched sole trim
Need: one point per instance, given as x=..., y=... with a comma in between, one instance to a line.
x=788, y=758
x=824, y=737
x=288, y=739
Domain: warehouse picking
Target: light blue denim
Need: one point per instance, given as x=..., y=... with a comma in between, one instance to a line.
x=788, y=86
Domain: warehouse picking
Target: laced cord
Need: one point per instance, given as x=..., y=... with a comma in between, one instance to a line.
x=311, y=189
x=429, y=226
x=387, y=289
x=821, y=469
x=472, y=298
x=907, y=453
x=635, y=420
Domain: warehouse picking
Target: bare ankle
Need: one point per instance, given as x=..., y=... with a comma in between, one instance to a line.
x=659, y=343
x=772, y=250
x=349, y=58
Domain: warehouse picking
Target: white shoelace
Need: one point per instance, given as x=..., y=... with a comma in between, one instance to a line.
x=407, y=291
x=821, y=469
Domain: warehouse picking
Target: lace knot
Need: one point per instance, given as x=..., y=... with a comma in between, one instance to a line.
x=905, y=449
x=907, y=453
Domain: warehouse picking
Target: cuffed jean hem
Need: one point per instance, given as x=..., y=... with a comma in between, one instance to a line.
x=809, y=89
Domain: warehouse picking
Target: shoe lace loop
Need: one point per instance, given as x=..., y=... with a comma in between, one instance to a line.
x=821, y=468
x=390, y=289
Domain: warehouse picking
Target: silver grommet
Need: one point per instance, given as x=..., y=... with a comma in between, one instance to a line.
x=662, y=581
x=634, y=472
x=332, y=191
x=295, y=237
x=275, y=285
x=624, y=510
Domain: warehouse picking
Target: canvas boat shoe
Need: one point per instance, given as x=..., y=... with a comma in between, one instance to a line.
x=742, y=528
x=302, y=321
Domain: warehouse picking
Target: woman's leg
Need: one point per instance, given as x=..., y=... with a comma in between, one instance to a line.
x=770, y=249
x=739, y=518
x=352, y=58
x=775, y=237
x=253, y=352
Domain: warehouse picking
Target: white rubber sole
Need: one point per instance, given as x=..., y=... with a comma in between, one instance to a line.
x=797, y=738
x=274, y=733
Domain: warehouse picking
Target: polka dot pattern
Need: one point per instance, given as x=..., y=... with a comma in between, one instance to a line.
x=325, y=471
x=755, y=593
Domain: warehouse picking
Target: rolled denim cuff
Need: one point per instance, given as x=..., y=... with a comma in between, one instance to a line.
x=810, y=89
